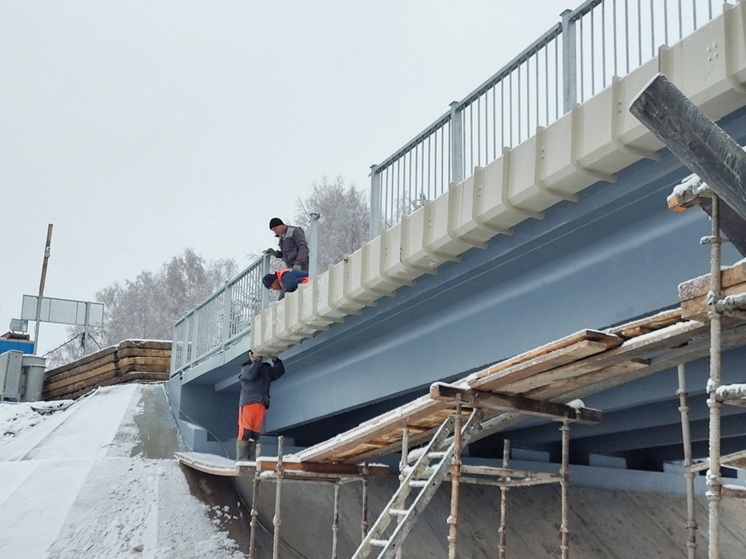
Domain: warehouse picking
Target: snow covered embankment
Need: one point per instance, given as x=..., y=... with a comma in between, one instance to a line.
x=76, y=484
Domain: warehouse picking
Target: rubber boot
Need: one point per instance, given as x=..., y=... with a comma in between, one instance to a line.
x=252, y=450
x=242, y=451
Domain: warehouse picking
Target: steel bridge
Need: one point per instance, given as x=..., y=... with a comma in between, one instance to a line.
x=533, y=208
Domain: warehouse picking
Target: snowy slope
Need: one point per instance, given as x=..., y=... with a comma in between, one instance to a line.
x=87, y=481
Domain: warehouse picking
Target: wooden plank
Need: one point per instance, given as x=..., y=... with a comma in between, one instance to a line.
x=291, y=464
x=53, y=384
x=92, y=382
x=592, y=335
x=102, y=353
x=573, y=382
x=497, y=381
x=700, y=285
x=385, y=424
x=647, y=324
x=501, y=402
x=140, y=352
x=208, y=463
x=697, y=308
x=109, y=359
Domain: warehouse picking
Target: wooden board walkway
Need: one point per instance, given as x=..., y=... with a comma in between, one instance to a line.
x=292, y=469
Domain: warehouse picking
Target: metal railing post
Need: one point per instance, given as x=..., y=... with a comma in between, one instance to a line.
x=374, y=228
x=266, y=267
x=457, y=143
x=313, y=243
x=569, y=61
x=227, y=312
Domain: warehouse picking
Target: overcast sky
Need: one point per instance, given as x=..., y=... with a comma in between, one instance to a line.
x=140, y=128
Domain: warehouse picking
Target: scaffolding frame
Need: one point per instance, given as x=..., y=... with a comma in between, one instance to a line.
x=718, y=308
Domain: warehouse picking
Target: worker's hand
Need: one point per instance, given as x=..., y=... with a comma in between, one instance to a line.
x=296, y=266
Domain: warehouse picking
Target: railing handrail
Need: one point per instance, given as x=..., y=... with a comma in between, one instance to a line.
x=527, y=99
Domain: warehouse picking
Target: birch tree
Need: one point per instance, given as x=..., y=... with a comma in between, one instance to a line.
x=344, y=221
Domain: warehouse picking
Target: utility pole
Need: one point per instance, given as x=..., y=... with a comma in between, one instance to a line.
x=41, y=286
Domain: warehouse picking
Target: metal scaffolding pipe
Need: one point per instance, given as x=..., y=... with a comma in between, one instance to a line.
x=254, y=524
x=564, y=483
x=691, y=522
x=714, y=483
x=403, y=463
x=503, y=530
x=455, y=476
x=364, y=519
x=335, y=522
x=277, y=521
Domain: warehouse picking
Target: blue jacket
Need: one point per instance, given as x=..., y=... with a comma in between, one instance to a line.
x=290, y=281
x=255, y=379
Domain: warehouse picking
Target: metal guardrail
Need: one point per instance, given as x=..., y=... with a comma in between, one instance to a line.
x=222, y=319
x=575, y=59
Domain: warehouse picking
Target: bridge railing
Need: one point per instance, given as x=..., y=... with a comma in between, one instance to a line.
x=221, y=320
x=575, y=59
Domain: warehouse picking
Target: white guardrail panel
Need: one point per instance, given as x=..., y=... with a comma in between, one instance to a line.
x=590, y=143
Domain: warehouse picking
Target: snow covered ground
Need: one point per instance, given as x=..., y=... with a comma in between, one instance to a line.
x=82, y=479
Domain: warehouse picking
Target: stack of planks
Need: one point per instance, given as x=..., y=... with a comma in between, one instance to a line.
x=144, y=360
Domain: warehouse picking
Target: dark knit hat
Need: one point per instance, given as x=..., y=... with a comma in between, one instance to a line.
x=268, y=280
x=274, y=222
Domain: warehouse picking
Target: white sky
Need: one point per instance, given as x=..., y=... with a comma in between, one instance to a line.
x=140, y=128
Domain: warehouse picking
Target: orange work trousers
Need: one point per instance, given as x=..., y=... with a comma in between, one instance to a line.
x=250, y=418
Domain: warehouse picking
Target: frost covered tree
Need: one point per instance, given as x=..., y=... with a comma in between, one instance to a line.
x=344, y=222
x=148, y=306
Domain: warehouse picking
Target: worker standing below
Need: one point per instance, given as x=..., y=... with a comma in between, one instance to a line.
x=285, y=281
x=256, y=376
x=293, y=246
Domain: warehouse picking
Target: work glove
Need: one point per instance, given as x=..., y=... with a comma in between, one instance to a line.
x=296, y=266
x=273, y=252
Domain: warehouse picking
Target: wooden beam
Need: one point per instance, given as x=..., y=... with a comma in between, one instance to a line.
x=501, y=402
x=265, y=463
x=522, y=370
x=695, y=139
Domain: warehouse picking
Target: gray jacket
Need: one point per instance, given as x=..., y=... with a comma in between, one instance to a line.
x=255, y=379
x=293, y=247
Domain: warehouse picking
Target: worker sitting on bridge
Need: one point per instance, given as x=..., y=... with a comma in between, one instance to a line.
x=285, y=281
x=255, y=377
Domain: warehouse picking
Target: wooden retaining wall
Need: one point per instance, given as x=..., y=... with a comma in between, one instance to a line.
x=130, y=360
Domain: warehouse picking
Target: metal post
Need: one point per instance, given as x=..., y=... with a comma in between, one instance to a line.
x=335, y=522
x=266, y=269
x=714, y=483
x=457, y=143
x=374, y=228
x=455, y=479
x=403, y=463
x=564, y=483
x=364, y=520
x=503, y=530
x=569, y=61
x=276, y=521
x=691, y=522
x=254, y=524
x=313, y=235
x=227, y=311
x=43, y=280
x=85, y=325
